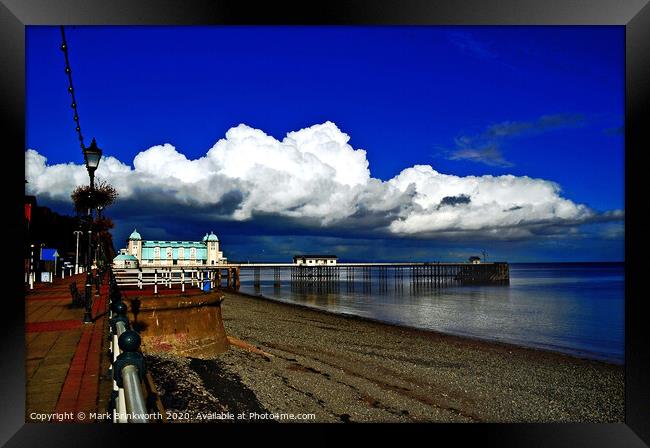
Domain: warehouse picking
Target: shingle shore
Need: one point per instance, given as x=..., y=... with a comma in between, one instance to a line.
x=343, y=369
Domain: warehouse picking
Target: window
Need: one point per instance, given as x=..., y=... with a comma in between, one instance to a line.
x=181, y=252
x=169, y=252
x=156, y=252
x=193, y=252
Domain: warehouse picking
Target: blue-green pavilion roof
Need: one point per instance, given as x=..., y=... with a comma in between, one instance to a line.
x=163, y=244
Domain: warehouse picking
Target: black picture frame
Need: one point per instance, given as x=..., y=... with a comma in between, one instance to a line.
x=633, y=14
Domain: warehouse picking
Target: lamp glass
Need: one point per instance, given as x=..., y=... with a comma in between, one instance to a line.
x=93, y=155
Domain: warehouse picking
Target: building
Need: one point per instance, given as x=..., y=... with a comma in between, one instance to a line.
x=45, y=228
x=150, y=253
x=315, y=260
x=125, y=261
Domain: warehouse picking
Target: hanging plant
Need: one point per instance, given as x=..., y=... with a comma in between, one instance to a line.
x=103, y=195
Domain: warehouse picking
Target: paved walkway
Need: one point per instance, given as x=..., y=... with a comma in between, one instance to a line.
x=66, y=360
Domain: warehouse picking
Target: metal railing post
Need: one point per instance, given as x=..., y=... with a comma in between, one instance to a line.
x=128, y=367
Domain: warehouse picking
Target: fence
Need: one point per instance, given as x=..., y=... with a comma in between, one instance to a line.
x=128, y=365
x=203, y=278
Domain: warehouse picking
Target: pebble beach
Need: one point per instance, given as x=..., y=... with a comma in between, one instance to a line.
x=305, y=365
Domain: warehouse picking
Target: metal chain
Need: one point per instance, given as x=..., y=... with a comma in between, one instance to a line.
x=68, y=71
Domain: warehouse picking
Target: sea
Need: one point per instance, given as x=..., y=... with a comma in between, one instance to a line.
x=572, y=308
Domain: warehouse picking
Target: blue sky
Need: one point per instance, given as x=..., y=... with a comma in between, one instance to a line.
x=542, y=102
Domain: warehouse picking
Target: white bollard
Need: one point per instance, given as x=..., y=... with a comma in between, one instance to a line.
x=31, y=280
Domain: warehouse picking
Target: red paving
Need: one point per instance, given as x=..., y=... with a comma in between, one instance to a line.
x=51, y=297
x=57, y=325
x=65, y=357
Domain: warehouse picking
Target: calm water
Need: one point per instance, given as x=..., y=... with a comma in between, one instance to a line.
x=570, y=308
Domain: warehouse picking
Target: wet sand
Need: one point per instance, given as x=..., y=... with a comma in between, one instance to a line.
x=345, y=369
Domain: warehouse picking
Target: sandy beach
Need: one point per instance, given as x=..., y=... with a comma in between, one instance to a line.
x=344, y=369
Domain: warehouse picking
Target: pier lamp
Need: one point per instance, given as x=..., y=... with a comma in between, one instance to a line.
x=92, y=156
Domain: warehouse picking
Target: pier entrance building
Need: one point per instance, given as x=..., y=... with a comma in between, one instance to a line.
x=158, y=253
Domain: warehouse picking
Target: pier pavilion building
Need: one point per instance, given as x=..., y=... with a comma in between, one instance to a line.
x=158, y=253
x=315, y=260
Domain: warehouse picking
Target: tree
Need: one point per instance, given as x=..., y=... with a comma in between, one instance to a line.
x=103, y=195
x=103, y=237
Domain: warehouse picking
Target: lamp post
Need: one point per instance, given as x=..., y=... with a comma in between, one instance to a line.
x=92, y=156
x=76, y=256
x=97, y=255
x=32, y=276
x=97, y=252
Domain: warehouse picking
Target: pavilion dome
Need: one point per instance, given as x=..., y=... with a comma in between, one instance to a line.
x=212, y=237
x=125, y=257
x=135, y=235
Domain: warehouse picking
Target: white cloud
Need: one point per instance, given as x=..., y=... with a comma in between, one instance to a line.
x=315, y=174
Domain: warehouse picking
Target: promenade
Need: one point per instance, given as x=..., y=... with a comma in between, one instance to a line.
x=66, y=364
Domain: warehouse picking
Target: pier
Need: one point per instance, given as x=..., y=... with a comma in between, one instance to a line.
x=421, y=274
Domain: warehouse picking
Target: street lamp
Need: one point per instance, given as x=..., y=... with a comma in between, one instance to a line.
x=97, y=279
x=92, y=156
x=99, y=217
x=32, y=275
x=76, y=256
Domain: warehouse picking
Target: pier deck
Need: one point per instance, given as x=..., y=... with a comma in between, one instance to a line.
x=428, y=274
x=66, y=366
x=434, y=274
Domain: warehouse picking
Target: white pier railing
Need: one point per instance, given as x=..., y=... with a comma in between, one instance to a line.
x=167, y=277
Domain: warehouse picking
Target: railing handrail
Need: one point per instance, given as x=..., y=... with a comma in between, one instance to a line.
x=133, y=394
x=130, y=404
